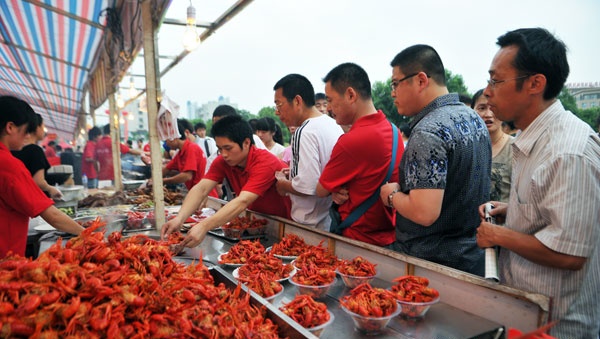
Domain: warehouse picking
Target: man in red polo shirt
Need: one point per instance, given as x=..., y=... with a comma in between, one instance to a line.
x=20, y=197
x=189, y=162
x=250, y=172
x=360, y=159
x=104, y=154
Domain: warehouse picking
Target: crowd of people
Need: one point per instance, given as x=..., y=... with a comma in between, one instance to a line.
x=418, y=189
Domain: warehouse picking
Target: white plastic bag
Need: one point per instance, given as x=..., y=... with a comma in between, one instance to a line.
x=167, y=119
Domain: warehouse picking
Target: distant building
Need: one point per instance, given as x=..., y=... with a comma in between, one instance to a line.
x=206, y=110
x=586, y=94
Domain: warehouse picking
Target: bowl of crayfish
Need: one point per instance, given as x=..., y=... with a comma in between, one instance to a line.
x=356, y=271
x=263, y=285
x=240, y=226
x=370, y=308
x=310, y=314
x=313, y=281
x=414, y=295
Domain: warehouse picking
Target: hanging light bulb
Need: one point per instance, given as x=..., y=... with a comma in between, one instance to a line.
x=191, y=39
x=120, y=102
x=132, y=91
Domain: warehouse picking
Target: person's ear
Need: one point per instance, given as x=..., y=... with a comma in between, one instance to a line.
x=536, y=84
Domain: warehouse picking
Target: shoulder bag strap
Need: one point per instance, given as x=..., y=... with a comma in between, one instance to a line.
x=360, y=210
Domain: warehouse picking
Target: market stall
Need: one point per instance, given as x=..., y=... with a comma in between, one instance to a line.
x=469, y=306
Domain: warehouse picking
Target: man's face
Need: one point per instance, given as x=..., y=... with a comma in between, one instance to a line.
x=173, y=143
x=338, y=106
x=284, y=109
x=321, y=105
x=504, y=99
x=201, y=132
x=17, y=135
x=232, y=153
x=403, y=93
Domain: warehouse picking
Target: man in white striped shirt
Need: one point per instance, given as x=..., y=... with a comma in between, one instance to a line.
x=550, y=244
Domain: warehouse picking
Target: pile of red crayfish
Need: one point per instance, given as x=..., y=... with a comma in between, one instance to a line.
x=368, y=301
x=262, y=284
x=120, y=288
x=243, y=223
x=358, y=267
x=268, y=264
x=318, y=256
x=290, y=245
x=414, y=289
x=241, y=252
x=311, y=275
x=306, y=311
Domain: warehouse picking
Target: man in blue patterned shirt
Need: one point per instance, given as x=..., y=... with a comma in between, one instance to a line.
x=445, y=169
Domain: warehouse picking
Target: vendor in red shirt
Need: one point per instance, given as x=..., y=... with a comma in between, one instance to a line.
x=189, y=163
x=20, y=196
x=249, y=171
x=89, y=163
x=104, y=155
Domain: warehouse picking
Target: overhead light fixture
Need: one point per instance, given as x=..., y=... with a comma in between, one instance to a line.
x=191, y=39
x=132, y=91
x=82, y=131
x=120, y=102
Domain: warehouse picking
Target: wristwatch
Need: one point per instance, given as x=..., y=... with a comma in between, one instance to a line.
x=390, y=200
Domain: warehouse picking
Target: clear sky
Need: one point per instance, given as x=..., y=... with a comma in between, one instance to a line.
x=272, y=38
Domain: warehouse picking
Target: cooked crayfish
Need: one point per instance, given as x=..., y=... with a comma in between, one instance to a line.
x=306, y=311
x=368, y=301
x=120, y=288
x=290, y=245
x=414, y=289
x=357, y=267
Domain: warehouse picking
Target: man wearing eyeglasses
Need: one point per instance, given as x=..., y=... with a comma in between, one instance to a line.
x=445, y=170
x=549, y=244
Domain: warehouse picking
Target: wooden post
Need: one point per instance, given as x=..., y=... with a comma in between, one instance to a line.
x=152, y=98
x=116, y=141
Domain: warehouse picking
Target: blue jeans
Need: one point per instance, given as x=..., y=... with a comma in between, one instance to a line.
x=93, y=183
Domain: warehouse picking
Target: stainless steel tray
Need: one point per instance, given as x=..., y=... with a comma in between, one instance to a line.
x=286, y=326
x=218, y=232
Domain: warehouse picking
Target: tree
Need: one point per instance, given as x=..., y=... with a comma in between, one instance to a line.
x=568, y=101
x=382, y=99
x=590, y=116
x=269, y=111
x=456, y=84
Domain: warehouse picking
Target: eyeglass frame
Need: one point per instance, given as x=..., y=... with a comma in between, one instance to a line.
x=394, y=84
x=492, y=83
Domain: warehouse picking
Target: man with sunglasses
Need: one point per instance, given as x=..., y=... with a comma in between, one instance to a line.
x=549, y=244
x=445, y=170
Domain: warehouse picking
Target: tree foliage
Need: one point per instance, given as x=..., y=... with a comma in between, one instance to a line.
x=382, y=99
x=590, y=116
x=456, y=84
x=568, y=101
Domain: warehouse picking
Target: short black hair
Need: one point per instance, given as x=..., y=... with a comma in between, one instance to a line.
x=475, y=97
x=51, y=143
x=539, y=52
x=405, y=128
x=296, y=84
x=269, y=124
x=348, y=75
x=93, y=133
x=233, y=127
x=199, y=125
x=421, y=58
x=18, y=112
x=224, y=110
x=182, y=126
x=106, y=129
x=320, y=96
x=465, y=99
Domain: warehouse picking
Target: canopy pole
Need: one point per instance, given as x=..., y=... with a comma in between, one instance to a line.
x=116, y=141
x=151, y=67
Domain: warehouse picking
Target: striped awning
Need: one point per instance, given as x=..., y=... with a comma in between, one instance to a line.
x=47, y=52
